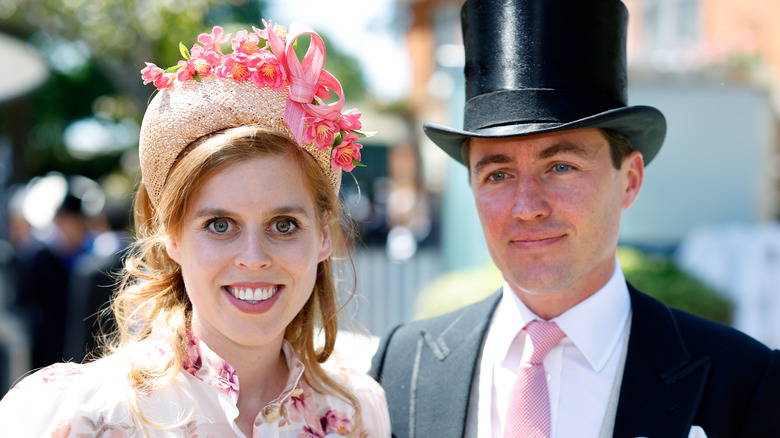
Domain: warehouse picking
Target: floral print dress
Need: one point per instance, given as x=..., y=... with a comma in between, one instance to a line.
x=74, y=401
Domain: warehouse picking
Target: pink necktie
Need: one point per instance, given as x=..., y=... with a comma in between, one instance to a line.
x=528, y=415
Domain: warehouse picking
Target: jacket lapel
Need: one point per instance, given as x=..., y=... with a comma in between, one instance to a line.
x=444, y=369
x=662, y=383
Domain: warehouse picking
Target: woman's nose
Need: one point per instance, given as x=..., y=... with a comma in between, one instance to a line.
x=254, y=252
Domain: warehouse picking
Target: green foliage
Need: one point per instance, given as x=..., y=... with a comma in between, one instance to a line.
x=658, y=277
x=456, y=289
x=61, y=100
x=654, y=275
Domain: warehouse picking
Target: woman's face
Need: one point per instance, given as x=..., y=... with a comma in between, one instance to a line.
x=248, y=249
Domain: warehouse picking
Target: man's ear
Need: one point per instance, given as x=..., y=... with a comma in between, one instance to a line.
x=634, y=172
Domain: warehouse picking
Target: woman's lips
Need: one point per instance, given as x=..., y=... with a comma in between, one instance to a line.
x=254, y=300
x=252, y=294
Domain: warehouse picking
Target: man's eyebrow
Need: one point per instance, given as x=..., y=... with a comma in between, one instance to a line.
x=561, y=148
x=491, y=159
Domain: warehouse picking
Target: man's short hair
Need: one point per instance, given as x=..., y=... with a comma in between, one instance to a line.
x=619, y=148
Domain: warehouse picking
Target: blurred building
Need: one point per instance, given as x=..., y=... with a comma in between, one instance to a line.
x=713, y=67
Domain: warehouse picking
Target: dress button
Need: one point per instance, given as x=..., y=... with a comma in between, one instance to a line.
x=271, y=413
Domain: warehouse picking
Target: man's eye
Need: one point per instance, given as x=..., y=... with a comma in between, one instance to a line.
x=219, y=226
x=561, y=167
x=497, y=176
x=284, y=226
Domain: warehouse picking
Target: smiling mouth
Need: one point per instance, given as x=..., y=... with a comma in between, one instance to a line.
x=253, y=296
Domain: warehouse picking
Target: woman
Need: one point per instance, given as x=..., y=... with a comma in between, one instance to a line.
x=231, y=278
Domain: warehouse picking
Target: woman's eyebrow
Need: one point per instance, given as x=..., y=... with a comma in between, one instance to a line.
x=210, y=212
x=218, y=212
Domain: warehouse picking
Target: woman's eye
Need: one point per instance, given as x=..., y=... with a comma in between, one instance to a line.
x=284, y=226
x=561, y=168
x=219, y=226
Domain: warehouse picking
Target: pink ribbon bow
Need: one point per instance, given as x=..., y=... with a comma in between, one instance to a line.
x=307, y=80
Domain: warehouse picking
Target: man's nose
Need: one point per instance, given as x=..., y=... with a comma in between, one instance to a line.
x=530, y=201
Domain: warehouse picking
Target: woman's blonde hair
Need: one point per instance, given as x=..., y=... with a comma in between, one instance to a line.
x=151, y=294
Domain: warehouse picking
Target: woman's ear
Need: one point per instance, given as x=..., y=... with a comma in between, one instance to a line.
x=326, y=246
x=173, y=249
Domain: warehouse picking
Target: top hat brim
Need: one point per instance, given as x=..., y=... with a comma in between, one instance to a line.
x=644, y=126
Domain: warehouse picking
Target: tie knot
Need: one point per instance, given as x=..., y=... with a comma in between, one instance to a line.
x=544, y=335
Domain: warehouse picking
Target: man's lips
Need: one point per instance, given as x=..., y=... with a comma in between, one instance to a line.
x=536, y=241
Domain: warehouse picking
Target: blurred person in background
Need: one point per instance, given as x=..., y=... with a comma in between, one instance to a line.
x=567, y=348
x=93, y=280
x=232, y=277
x=58, y=208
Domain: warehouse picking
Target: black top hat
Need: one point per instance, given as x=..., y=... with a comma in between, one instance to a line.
x=537, y=66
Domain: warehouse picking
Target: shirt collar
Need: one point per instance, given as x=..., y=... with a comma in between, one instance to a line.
x=206, y=365
x=595, y=337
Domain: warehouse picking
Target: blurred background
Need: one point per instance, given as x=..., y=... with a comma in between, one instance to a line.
x=703, y=236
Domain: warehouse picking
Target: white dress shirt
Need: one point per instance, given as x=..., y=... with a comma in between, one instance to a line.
x=580, y=370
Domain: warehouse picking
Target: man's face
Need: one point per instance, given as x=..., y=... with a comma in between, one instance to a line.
x=550, y=207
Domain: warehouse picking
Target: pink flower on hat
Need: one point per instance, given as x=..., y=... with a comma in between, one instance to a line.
x=268, y=72
x=186, y=71
x=212, y=41
x=350, y=120
x=163, y=81
x=346, y=153
x=246, y=43
x=204, y=61
x=320, y=132
x=151, y=72
x=234, y=66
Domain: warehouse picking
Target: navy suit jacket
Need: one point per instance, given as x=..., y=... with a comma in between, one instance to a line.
x=680, y=371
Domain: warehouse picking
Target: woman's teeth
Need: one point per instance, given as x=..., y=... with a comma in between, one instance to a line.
x=253, y=295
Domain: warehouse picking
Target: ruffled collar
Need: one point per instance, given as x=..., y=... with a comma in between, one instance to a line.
x=206, y=365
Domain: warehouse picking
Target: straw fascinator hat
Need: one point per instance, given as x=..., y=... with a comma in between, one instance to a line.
x=261, y=83
x=538, y=66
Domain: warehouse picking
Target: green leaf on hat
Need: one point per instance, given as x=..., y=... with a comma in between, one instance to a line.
x=184, y=52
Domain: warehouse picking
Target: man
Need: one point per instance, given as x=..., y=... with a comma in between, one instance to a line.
x=554, y=155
